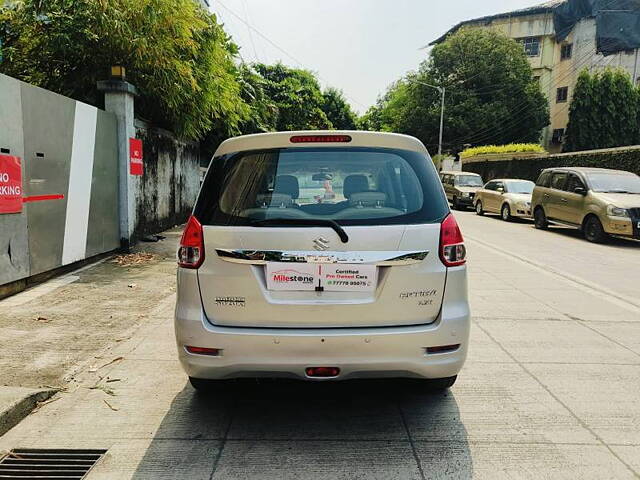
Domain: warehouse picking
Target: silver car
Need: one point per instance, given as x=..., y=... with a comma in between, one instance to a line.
x=506, y=196
x=322, y=256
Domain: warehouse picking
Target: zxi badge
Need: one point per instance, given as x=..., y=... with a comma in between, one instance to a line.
x=321, y=244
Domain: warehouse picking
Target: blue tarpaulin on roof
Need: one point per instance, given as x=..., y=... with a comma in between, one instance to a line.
x=617, y=22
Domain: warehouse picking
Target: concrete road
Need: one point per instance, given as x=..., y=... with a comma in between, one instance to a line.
x=551, y=389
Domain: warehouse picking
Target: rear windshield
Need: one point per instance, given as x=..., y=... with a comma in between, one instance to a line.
x=351, y=186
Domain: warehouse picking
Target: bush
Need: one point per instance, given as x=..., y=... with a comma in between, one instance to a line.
x=503, y=149
x=530, y=168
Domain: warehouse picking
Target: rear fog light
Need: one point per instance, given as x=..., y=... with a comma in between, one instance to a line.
x=212, y=352
x=442, y=349
x=322, y=372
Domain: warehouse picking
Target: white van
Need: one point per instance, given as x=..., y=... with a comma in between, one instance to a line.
x=322, y=256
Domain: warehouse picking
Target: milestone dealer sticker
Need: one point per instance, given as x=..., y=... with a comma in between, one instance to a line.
x=292, y=276
x=327, y=277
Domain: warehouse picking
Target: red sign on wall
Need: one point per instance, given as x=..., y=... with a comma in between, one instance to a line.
x=135, y=156
x=10, y=184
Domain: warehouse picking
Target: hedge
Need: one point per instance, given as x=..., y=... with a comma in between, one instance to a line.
x=501, y=149
x=530, y=168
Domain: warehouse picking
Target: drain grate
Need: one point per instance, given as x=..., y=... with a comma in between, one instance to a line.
x=58, y=464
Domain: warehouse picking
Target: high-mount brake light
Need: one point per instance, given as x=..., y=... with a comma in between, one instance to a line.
x=453, y=253
x=321, y=139
x=191, y=250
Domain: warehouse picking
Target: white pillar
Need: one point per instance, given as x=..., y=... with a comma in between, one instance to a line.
x=119, y=98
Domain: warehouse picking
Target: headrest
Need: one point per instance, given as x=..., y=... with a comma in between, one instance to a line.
x=273, y=200
x=368, y=200
x=287, y=184
x=354, y=184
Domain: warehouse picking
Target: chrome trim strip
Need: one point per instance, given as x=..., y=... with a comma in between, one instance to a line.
x=381, y=259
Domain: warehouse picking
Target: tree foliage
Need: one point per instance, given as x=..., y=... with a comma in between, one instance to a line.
x=338, y=110
x=296, y=94
x=491, y=94
x=175, y=52
x=604, y=112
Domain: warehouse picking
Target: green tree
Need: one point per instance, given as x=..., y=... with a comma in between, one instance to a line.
x=296, y=94
x=338, y=110
x=262, y=117
x=604, y=112
x=492, y=96
x=580, y=131
x=175, y=52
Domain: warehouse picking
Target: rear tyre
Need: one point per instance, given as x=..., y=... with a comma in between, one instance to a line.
x=479, y=209
x=506, y=213
x=593, y=231
x=540, y=219
x=440, y=384
x=455, y=204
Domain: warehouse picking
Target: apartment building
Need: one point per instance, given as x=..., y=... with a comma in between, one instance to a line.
x=561, y=39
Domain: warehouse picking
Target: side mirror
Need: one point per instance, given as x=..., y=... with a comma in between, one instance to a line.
x=500, y=190
x=580, y=190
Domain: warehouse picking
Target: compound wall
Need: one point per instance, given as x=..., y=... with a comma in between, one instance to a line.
x=69, y=158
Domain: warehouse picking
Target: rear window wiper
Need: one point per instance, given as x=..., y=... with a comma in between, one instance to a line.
x=303, y=222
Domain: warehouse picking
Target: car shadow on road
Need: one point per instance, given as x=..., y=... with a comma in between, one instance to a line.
x=289, y=429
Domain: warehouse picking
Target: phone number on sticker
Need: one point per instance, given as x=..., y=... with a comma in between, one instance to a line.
x=342, y=283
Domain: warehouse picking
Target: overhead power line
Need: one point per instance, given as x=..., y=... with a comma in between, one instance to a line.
x=278, y=47
x=487, y=133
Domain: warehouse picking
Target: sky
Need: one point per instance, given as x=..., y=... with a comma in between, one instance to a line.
x=357, y=46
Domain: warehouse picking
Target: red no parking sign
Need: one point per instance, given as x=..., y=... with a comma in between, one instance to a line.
x=10, y=184
x=135, y=157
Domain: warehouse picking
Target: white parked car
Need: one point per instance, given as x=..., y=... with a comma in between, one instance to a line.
x=508, y=197
x=322, y=256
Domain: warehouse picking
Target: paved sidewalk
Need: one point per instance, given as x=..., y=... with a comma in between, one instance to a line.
x=50, y=331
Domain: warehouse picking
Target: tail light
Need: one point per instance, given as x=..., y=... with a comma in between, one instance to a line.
x=191, y=251
x=452, y=250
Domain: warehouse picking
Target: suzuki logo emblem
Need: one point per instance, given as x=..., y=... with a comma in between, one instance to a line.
x=321, y=244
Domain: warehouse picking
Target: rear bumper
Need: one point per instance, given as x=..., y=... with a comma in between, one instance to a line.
x=397, y=352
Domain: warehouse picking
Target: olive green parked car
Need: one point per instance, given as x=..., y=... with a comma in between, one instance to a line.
x=598, y=201
x=461, y=188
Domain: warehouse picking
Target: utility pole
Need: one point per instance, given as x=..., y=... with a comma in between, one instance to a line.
x=442, y=91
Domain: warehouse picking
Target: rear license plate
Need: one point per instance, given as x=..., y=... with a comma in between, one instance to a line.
x=328, y=277
x=348, y=277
